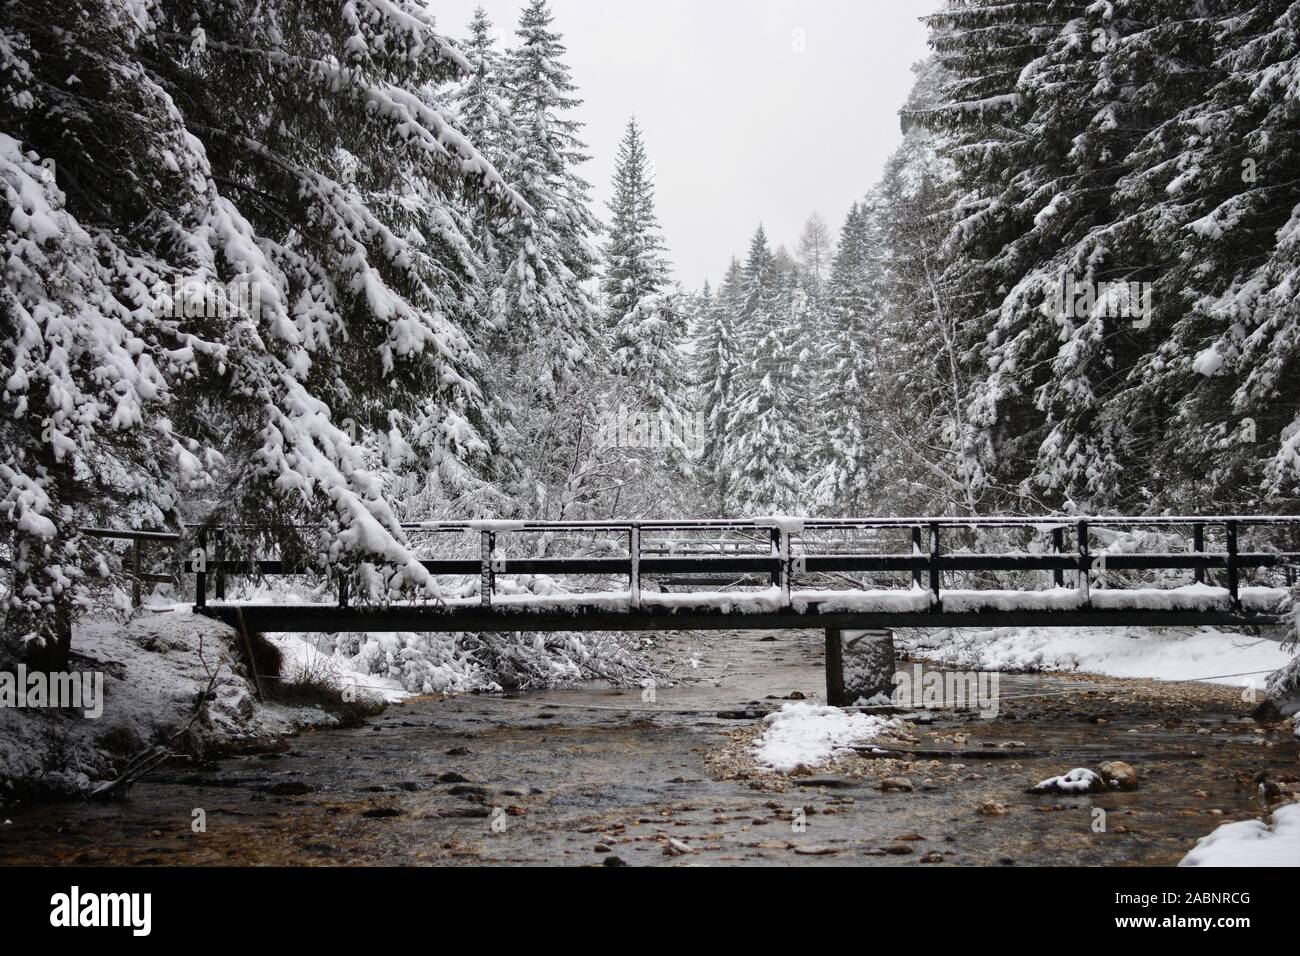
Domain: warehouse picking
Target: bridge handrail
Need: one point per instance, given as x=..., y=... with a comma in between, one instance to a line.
x=927, y=561
x=656, y=524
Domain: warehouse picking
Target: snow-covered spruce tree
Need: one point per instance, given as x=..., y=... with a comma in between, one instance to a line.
x=1216, y=185
x=716, y=359
x=850, y=383
x=481, y=105
x=548, y=353
x=1084, y=82
x=290, y=156
x=766, y=440
x=551, y=252
x=647, y=320
x=635, y=266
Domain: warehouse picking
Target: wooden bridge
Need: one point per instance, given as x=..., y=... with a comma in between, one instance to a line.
x=836, y=575
x=856, y=579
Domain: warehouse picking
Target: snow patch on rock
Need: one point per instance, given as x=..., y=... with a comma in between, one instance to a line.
x=803, y=734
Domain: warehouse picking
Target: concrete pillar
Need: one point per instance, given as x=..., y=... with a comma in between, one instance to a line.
x=858, y=667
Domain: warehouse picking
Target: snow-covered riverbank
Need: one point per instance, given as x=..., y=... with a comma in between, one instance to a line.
x=155, y=668
x=1176, y=654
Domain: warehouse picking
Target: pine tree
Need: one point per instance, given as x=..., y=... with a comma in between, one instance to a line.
x=850, y=385
x=634, y=263
x=717, y=358
x=238, y=283
x=550, y=320
x=764, y=459
x=1043, y=214
x=547, y=352
x=483, y=115
x=1215, y=183
x=648, y=321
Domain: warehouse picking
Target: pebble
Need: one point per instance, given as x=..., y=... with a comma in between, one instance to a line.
x=1119, y=775
x=675, y=847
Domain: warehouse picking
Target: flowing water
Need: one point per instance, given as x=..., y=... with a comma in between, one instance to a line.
x=597, y=775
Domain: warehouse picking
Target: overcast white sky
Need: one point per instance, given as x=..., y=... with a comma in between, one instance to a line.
x=741, y=123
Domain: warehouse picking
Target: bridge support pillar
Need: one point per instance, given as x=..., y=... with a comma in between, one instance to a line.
x=858, y=667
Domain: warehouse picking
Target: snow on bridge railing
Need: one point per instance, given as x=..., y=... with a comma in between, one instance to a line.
x=787, y=549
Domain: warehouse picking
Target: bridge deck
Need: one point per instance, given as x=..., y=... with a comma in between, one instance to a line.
x=1124, y=571
x=765, y=610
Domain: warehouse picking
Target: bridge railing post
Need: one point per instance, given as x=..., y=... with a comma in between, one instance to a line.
x=936, y=580
x=634, y=552
x=1085, y=560
x=917, y=577
x=775, y=535
x=1198, y=545
x=136, y=596
x=1234, y=570
x=1058, y=547
x=220, y=534
x=201, y=571
x=781, y=537
x=487, y=544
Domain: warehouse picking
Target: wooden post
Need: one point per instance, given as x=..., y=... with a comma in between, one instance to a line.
x=858, y=668
x=136, y=597
x=1058, y=546
x=1085, y=559
x=1234, y=572
x=776, y=552
x=917, y=580
x=343, y=591
x=634, y=551
x=935, y=580
x=201, y=576
x=487, y=544
x=1198, y=545
x=783, y=552
x=221, y=557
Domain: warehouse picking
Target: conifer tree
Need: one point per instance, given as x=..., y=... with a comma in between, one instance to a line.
x=647, y=319
x=717, y=358
x=239, y=282
x=550, y=320
x=764, y=459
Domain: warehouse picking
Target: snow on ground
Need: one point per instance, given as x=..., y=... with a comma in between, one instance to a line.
x=805, y=735
x=1252, y=842
x=1163, y=653
x=300, y=658
x=155, y=666
x=388, y=663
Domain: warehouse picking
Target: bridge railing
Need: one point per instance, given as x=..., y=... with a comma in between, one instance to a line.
x=786, y=552
x=135, y=559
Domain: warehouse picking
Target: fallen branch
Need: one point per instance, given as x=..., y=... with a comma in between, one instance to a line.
x=144, y=763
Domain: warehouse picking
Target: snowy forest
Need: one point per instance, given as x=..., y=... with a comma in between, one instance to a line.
x=334, y=266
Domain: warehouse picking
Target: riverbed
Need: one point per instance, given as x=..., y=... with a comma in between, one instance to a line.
x=608, y=776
